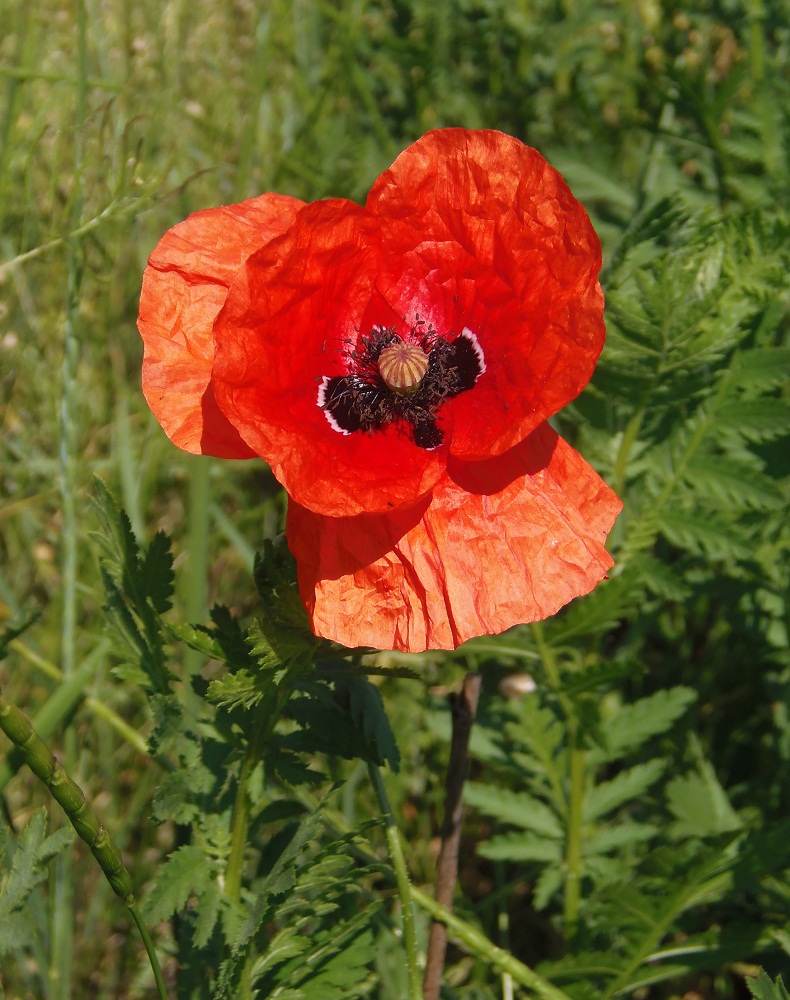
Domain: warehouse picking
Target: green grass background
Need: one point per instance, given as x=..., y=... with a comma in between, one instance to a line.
x=119, y=119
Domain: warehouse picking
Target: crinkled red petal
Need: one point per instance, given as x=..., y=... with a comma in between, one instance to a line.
x=295, y=309
x=481, y=232
x=184, y=287
x=499, y=542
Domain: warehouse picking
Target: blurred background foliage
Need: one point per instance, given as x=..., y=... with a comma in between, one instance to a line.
x=670, y=122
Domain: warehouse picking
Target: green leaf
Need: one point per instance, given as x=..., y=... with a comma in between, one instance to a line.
x=28, y=867
x=368, y=712
x=636, y=723
x=609, y=795
x=517, y=808
x=521, y=847
x=614, y=837
x=700, y=805
x=733, y=483
x=187, y=871
x=761, y=419
x=156, y=573
x=138, y=589
x=703, y=534
x=762, y=367
x=762, y=988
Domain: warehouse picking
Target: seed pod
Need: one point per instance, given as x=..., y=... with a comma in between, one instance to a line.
x=403, y=367
x=69, y=795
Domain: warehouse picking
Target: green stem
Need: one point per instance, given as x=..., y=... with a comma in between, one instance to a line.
x=67, y=793
x=195, y=598
x=149, y=947
x=478, y=944
x=402, y=881
x=240, y=823
x=624, y=451
x=574, y=801
x=573, y=855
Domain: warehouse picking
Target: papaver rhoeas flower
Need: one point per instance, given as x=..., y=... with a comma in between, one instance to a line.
x=395, y=365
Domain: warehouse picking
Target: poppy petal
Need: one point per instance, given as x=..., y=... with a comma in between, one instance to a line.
x=294, y=311
x=498, y=543
x=483, y=233
x=184, y=287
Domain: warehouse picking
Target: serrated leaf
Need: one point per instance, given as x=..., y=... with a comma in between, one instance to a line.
x=133, y=586
x=700, y=805
x=733, y=482
x=207, y=914
x=703, y=534
x=761, y=419
x=549, y=883
x=156, y=573
x=367, y=710
x=521, y=847
x=185, y=872
x=241, y=689
x=614, y=837
x=609, y=795
x=636, y=723
x=598, y=612
x=762, y=988
x=518, y=809
x=199, y=639
x=762, y=367
x=33, y=852
x=660, y=579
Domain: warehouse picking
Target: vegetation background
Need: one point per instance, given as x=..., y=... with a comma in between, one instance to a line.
x=627, y=825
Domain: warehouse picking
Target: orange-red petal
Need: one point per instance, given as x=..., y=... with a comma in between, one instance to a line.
x=294, y=311
x=184, y=287
x=483, y=233
x=500, y=542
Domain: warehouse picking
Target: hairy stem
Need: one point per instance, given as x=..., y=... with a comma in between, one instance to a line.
x=573, y=855
x=402, y=880
x=241, y=812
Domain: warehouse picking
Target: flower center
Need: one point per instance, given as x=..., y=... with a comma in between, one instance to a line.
x=391, y=380
x=403, y=366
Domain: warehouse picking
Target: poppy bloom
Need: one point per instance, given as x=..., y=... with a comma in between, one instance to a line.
x=395, y=364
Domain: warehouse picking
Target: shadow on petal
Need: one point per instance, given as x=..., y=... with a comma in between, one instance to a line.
x=516, y=539
x=492, y=475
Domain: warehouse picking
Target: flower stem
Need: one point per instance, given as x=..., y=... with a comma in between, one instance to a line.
x=402, y=880
x=195, y=597
x=573, y=856
x=241, y=813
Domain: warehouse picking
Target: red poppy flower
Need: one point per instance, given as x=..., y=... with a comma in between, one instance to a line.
x=395, y=365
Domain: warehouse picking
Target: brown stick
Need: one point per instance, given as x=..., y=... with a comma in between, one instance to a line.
x=464, y=708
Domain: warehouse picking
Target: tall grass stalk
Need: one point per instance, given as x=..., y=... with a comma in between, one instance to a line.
x=63, y=908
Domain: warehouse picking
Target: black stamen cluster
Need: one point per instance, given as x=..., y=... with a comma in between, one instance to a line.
x=361, y=400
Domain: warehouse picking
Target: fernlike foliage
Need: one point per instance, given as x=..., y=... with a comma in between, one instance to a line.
x=305, y=923
x=618, y=797
x=24, y=864
x=606, y=804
